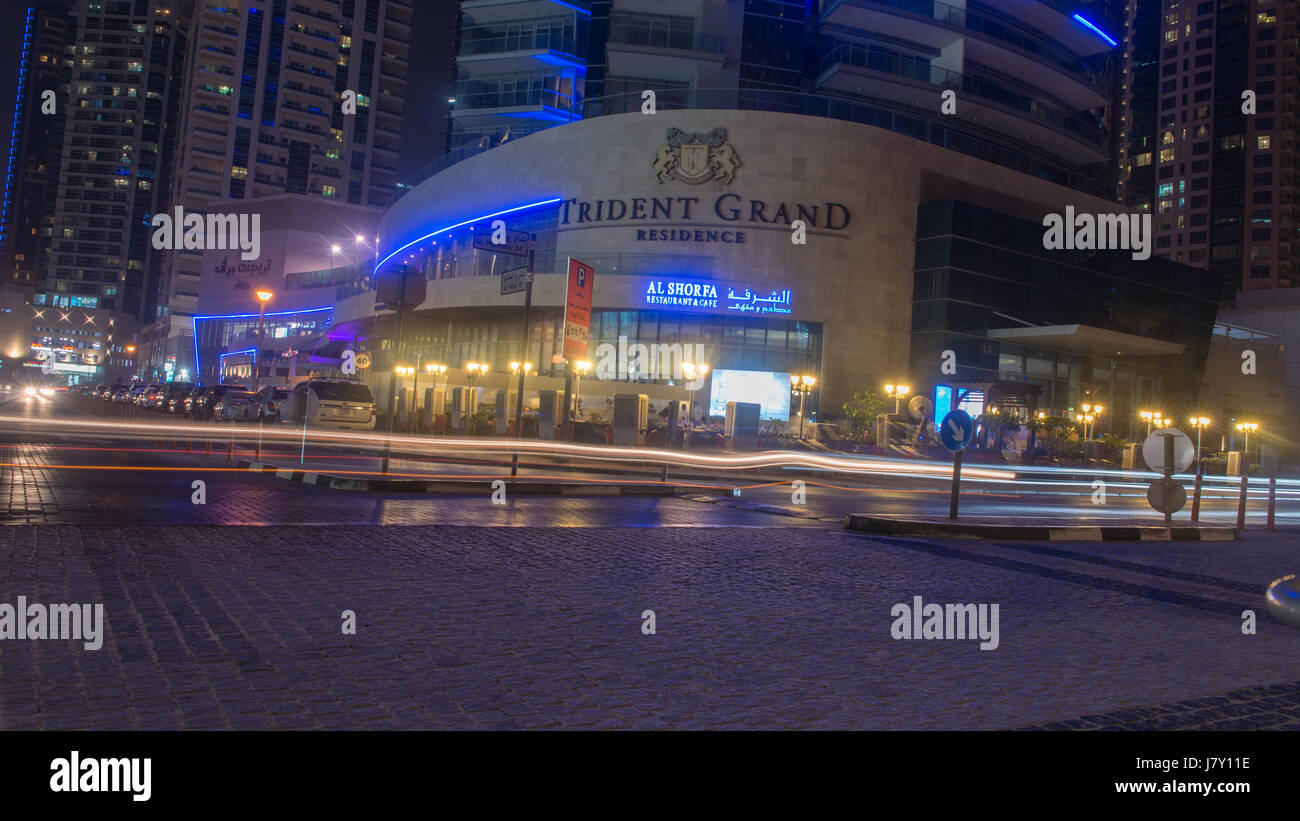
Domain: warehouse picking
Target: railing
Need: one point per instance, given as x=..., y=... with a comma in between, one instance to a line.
x=661, y=31
x=513, y=97
x=1077, y=124
x=530, y=40
x=900, y=64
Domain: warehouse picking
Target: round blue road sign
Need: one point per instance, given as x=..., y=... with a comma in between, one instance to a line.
x=957, y=430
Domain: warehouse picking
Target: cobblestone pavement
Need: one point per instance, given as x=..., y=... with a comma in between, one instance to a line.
x=540, y=627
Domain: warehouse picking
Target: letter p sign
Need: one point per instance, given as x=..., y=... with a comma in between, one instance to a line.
x=350, y=361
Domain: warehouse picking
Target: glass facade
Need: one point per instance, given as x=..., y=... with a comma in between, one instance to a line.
x=979, y=271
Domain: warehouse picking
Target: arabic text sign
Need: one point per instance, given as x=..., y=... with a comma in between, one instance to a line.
x=703, y=294
x=514, y=281
x=518, y=243
x=577, y=309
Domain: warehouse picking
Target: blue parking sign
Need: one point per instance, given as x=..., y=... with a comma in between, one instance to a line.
x=957, y=430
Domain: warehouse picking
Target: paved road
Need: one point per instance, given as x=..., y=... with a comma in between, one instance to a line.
x=779, y=627
x=529, y=615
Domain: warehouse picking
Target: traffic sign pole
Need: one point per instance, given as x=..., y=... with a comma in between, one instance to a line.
x=519, y=394
x=956, y=485
x=1169, y=473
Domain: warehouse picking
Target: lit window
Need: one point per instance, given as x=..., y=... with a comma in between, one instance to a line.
x=1263, y=142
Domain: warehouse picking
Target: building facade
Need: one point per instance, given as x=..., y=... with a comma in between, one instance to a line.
x=281, y=97
x=1207, y=119
x=1033, y=82
x=36, y=143
x=117, y=154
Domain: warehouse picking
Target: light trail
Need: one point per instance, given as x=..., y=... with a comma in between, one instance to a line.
x=407, y=444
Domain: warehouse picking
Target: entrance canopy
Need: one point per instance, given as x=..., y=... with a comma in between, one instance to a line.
x=1088, y=340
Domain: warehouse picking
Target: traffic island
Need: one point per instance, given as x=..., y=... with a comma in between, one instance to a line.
x=463, y=487
x=1017, y=530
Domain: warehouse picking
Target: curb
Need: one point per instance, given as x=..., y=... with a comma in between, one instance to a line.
x=1044, y=533
x=460, y=487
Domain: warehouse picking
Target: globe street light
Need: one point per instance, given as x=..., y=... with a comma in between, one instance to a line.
x=263, y=297
x=1152, y=417
x=691, y=370
x=1247, y=428
x=897, y=392
x=1200, y=423
x=803, y=385
x=579, y=368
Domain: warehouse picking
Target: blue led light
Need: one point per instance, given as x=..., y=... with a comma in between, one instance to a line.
x=432, y=234
x=1085, y=21
x=194, y=326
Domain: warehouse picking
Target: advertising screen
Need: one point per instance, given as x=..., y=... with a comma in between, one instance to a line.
x=768, y=388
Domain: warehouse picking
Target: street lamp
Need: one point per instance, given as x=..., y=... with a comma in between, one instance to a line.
x=334, y=252
x=1247, y=428
x=1200, y=423
x=803, y=385
x=1153, y=417
x=579, y=368
x=691, y=370
x=897, y=392
x=263, y=297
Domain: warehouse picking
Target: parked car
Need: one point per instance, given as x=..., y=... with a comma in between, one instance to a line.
x=330, y=403
x=174, y=391
x=211, y=395
x=265, y=404
x=152, y=394
x=187, y=406
x=232, y=406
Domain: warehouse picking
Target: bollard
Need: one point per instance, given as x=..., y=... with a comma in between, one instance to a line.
x=1272, y=500
x=1196, y=499
x=1241, y=506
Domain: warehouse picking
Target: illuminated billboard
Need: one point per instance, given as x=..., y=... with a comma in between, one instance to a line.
x=769, y=389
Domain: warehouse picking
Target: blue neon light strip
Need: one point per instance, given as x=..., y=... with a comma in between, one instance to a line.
x=253, y=351
x=552, y=201
x=1100, y=33
x=194, y=326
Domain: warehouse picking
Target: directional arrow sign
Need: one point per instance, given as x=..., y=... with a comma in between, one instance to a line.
x=957, y=430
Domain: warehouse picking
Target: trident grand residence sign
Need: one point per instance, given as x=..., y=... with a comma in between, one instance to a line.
x=724, y=218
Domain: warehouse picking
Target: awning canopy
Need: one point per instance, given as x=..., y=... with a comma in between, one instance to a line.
x=1088, y=340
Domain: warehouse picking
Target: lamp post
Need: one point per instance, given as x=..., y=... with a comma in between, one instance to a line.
x=334, y=252
x=579, y=369
x=691, y=371
x=1154, y=417
x=1247, y=428
x=1200, y=423
x=473, y=370
x=263, y=297
x=897, y=392
x=434, y=370
x=803, y=385
x=520, y=370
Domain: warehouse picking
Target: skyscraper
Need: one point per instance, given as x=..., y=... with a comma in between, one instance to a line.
x=299, y=98
x=35, y=144
x=117, y=151
x=1209, y=113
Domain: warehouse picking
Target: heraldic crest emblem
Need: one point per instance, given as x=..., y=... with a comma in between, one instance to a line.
x=696, y=158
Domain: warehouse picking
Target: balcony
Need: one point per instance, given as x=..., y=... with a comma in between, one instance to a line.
x=499, y=107
x=1017, y=46
x=516, y=50
x=658, y=45
x=916, y=83
x=484, y=11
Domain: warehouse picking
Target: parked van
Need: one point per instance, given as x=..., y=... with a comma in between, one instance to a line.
x=330, y=403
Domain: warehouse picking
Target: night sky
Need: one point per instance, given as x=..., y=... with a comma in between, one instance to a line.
x=429, y=80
